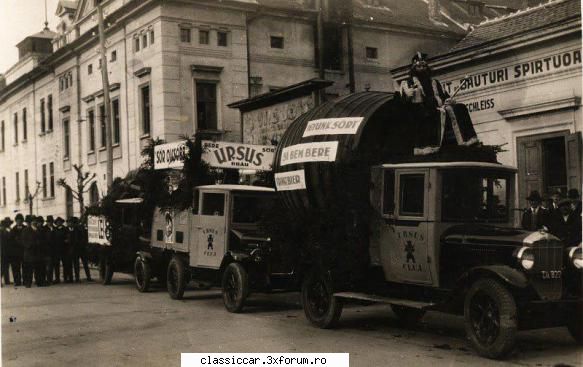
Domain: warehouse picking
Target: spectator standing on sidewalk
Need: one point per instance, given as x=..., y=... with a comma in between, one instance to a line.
x=58, y=252
x=18, y=249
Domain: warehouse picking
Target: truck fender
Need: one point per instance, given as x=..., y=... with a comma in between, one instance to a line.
x=504, y=273
x=144, y=255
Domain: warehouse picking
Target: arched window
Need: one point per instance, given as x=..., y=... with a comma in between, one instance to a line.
x=93, y=194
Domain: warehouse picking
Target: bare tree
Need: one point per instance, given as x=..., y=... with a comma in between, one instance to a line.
x=83, y=181
x=30, y=197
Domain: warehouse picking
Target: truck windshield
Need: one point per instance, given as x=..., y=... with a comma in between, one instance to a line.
x=249, y=208
x=474, y=196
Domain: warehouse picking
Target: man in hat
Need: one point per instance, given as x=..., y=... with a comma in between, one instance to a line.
x=18, y=249
x=58, y=251
x=68, y=251
x=575, y=199
x=79, y=248
x=31, y=241
x=45, y=267
x=5, y=244
x=439, y=120
x=535, y=217
x=566, y=224
x=49, y=230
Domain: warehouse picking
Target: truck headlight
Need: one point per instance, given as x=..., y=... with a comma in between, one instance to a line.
x=576, y=256
x=525, y=257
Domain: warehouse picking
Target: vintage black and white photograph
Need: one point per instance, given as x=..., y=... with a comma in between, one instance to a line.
x=329, y=183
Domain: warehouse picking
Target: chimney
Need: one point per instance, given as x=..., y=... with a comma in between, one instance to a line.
x=433, y=7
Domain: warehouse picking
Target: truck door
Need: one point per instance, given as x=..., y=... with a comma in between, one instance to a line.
x=404, y=236
x=211, y=230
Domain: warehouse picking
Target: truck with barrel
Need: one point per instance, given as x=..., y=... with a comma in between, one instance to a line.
x=428, y=232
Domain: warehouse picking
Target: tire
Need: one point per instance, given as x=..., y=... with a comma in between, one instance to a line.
x=235, y=286
x=408, y=315
x=142, y=274
x=105, y=271
x=176, y=278
x=575, y=324
x=490, y=318
x=321, y=308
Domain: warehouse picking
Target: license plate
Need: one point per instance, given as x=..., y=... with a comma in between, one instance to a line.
x=551, y=274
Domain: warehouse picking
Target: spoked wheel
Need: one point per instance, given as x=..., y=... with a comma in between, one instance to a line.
x=320, y=306
x=142, y=274
x=105, y=270
x=176, y=278
x=490, y=318
x=408, y=315
x=235, y=287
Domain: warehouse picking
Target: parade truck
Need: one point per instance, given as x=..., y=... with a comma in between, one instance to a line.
x=218, y=242
x=433, y=232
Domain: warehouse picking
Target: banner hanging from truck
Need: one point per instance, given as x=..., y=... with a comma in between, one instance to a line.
x=293, y=180
x=170, y=155
x=309, y=152
x=221, y=154
x=333, y=126
x=98, y=230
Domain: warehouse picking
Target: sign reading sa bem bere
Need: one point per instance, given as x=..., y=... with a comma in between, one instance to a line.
x=309, y=152
x=333, y=126
x=221, y=154
x=170, y=155
x=292, y=180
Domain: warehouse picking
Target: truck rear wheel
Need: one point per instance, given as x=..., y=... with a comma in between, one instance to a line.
x=235, y=287
x=105, y=270
x=322, y=309
x=176, y=278
x=575, y=324
x=142, y=274
x=408, y=315
x=490, y=318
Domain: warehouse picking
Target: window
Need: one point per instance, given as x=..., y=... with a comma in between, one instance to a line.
x=66, y=86
x=4, y=191
x=115, y=113
x=185, y=35
x=213, y=204
x=100, y=64
x=136, y=44
x=411, y=196
x=44, y=169
x=222, y=39
x=24, y=127
x=93, y=194
x=90, y=69
x=102, y=118
x=179, y=236
x=52, y=179
x=69, y=202
x=159, y=235
x=144, y=40
x=15, y=128
x=66, y=138
x=17, y=182
x=203, y=37
x=50, y=110
x=389, y=192
x=250, y=208
x=372, y=53
x=113, y=57
x=61, y=84
x=70, y=77
x=146, y=112
x=332, y=47
x=152, y=38
x=206, y=105
x=2, y=136
x=42, y=116
x=91, y=126
x=26, y=187
x=276, y=42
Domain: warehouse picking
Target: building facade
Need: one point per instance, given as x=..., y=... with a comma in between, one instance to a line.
x=174, y=66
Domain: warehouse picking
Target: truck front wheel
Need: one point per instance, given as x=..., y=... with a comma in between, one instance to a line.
x=105, y=270
x=320, y=306
x=235, y=287
x=490, y=318
x=575, y=324
x=142, y=274
x=176, y=278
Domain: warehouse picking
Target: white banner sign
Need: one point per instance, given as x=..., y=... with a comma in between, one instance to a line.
x=310, y=152
x=221, y=154
x=333, y=126
x=293, y=180
x=170, y=155
x=97, y=230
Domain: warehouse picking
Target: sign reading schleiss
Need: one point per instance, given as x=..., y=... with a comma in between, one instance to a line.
x=220, y=154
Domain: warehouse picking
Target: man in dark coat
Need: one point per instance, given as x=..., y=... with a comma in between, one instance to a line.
x=573, y=195
x=45, y=261
x=5, y=244
x=78, y=238
x=31, y=238
x=60, y=234
x=535, y=217
x=49, y=230
x=17, y=249
x=566, y=224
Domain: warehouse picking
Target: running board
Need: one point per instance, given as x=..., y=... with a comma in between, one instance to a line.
x=380, y=299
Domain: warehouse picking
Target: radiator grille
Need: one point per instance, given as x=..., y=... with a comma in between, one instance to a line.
x=548, y=263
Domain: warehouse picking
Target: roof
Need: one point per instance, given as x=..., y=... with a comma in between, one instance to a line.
x=449, y=165
x=237, y=188
x=45, y=33
x=522, y=21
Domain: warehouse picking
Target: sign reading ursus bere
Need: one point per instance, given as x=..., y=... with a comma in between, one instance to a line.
x=221, y=154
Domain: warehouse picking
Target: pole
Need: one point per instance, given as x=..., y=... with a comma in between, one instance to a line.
x=106, y=102
x=320, y=49
x=351, y=79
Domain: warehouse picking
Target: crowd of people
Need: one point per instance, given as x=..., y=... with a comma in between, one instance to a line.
x=33, y=248
x=559, y=215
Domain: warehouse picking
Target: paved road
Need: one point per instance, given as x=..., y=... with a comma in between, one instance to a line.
x=89, y=324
